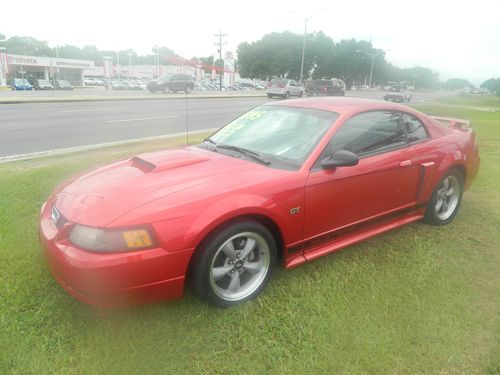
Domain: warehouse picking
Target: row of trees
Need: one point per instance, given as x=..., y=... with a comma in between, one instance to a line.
x=280, y=54
x=25, y=45
x=493, y=84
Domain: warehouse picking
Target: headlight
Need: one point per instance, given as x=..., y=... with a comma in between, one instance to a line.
x=109, y=240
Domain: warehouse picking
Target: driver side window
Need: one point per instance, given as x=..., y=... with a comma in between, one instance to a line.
x=366, y=134
x=370, y=133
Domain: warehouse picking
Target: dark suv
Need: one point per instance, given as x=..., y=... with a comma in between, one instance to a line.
x=327, y=87
x=172, y=82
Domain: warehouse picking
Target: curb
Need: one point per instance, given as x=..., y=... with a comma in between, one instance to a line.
x=70, y=150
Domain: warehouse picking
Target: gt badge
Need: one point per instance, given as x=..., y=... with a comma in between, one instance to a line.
x=294, y=210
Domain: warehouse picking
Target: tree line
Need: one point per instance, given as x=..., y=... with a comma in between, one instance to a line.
x=280, y=55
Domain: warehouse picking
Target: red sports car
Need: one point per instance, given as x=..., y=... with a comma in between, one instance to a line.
x=289, y=181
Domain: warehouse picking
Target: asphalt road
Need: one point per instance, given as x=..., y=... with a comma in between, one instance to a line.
x=31, y=128
x=38, y=127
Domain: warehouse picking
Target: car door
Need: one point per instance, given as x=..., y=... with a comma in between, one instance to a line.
x=384, y=183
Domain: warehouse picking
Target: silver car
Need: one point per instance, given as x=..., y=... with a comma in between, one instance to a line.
x=284, y=88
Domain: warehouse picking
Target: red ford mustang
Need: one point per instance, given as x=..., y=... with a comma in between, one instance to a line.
x=289, y=181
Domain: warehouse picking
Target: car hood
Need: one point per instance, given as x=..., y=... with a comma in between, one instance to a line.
x=101, y=196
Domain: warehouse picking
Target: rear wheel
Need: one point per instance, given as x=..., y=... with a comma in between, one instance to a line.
x=269, y=96
x=188, y=89
x=234, y=265
x=287, y=95
x=446, y=199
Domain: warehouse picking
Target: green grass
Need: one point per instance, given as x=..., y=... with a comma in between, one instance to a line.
x=418, y=300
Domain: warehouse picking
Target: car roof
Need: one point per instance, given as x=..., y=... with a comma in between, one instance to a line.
x=342, y=105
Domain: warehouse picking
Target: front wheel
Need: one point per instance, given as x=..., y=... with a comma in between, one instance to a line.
x=234, y=265
x=269, y=96
x=445, y=199
x=287, y=95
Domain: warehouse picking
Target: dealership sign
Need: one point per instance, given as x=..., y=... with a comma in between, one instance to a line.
x=49, y=62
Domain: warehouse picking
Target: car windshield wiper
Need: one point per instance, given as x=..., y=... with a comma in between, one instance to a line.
x=208, y=140
x=251, y=154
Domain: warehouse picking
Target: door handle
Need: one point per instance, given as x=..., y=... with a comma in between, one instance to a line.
x=405, y=163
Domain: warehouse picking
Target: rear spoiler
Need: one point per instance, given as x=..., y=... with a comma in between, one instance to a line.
x=453, y=122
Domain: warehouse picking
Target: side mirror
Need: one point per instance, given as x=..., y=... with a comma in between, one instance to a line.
x=341, y=158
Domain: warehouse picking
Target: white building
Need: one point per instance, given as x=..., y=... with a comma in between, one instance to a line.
x=38, y=67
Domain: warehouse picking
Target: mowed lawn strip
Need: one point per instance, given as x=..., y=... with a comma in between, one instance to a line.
x=419, y=299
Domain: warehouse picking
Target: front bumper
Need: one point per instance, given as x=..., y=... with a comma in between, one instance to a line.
x=394, y=97
x=114, y=279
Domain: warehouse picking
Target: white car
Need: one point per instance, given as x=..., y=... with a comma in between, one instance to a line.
x=398, y=93
x=284, y=88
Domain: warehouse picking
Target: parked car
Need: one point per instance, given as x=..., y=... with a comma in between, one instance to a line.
x=327, y=87
x=136, y=85
x=20, y=84
x=43, y=84
x=398, y=93
x=284, y=88
x=119, y=85
x=173, y=83
x=62, y=84
x=89, y=82
x=288, y=181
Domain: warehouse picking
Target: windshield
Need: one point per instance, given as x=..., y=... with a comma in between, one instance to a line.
x=396, y=89
x=284, y=135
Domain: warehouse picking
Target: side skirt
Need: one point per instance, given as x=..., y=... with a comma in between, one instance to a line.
x=313, y=252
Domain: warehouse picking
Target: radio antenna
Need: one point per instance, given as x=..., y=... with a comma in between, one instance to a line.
x=187, y=119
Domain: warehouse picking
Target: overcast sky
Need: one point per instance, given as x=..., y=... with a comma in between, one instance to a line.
x=456, y=38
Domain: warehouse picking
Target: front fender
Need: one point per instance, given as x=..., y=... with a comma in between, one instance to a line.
x=274, y=208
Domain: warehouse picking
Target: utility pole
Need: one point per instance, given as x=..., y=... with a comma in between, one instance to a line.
x=219, y=44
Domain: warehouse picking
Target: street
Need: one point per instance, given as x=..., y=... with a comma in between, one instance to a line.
x=37, y=127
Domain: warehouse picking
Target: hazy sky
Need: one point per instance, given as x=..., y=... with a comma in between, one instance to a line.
x=458, y=38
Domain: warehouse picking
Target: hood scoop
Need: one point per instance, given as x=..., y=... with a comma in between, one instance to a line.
x=154, y=163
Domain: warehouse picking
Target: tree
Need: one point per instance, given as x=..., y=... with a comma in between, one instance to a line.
x=492, y=84
x=275, y=55
x=26, y=45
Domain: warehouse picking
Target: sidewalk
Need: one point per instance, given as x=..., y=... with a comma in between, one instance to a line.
x=83, y=95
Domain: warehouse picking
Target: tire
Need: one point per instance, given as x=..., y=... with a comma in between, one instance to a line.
x=164, y=89
x=152, y=91
x=301, y=94
x=286, y=96
x=446, y=199
x=223, y=275
x=187, y=90
x=269, y=96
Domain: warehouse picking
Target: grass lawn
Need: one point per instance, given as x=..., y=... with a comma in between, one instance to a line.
x=418, y=300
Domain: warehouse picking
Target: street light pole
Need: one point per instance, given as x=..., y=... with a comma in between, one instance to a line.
x=372, y=56
x=306, y=20
x=129, y=65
